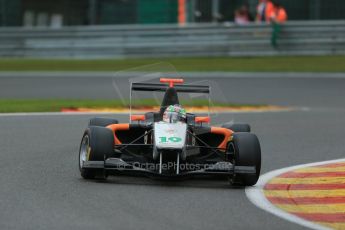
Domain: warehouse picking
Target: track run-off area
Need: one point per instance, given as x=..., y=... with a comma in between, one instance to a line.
x=41, y=186
x=312, y=195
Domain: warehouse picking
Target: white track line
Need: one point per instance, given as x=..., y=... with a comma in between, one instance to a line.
x=126, y=113
x=55, y=114
x=256, y=195
x=33, y=114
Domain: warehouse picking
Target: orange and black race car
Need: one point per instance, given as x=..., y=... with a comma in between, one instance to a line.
x=170, y=143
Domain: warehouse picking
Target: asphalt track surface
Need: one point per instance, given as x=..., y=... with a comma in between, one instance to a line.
x=41, y=187
x=318, y=92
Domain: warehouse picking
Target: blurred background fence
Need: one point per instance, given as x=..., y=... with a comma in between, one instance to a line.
x=171, y=40
x=58, y=13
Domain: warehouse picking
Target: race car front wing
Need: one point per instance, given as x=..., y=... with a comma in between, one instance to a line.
x=117, y=166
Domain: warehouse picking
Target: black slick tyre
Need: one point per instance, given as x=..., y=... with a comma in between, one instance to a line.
x=247, y=152
x=102, y=122
x=237, y=127
x=96, y=145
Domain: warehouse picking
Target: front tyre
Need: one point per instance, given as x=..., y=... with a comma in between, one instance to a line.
x=103, y=122
x=96, y=145
x=247, y=152
x=237, y=127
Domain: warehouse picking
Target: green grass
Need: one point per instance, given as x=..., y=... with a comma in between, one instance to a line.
x=255, y=64
x=55, y=105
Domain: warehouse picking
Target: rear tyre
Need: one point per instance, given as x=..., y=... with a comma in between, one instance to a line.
x=237, y=127
x=102, y=122
x=96, y=145
x=247, y=152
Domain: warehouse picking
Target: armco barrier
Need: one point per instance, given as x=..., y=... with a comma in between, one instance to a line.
x=127, y=41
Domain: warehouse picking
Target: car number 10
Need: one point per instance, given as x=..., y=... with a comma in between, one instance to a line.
x=170, y=139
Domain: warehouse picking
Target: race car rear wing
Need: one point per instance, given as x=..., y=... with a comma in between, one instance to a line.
x=163, y=87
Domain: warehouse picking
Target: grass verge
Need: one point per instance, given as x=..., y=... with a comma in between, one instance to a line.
x=242, y=64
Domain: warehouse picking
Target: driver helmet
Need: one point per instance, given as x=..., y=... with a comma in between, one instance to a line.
x=174, y=114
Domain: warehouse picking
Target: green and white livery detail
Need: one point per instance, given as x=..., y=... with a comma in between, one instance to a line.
x=170, y=135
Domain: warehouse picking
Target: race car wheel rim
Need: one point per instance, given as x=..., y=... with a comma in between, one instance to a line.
x=84, y=149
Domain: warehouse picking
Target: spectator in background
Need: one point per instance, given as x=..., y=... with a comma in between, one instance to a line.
x=278, y=14
x=264, y=11
x=242, y=15
x=277, y=18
